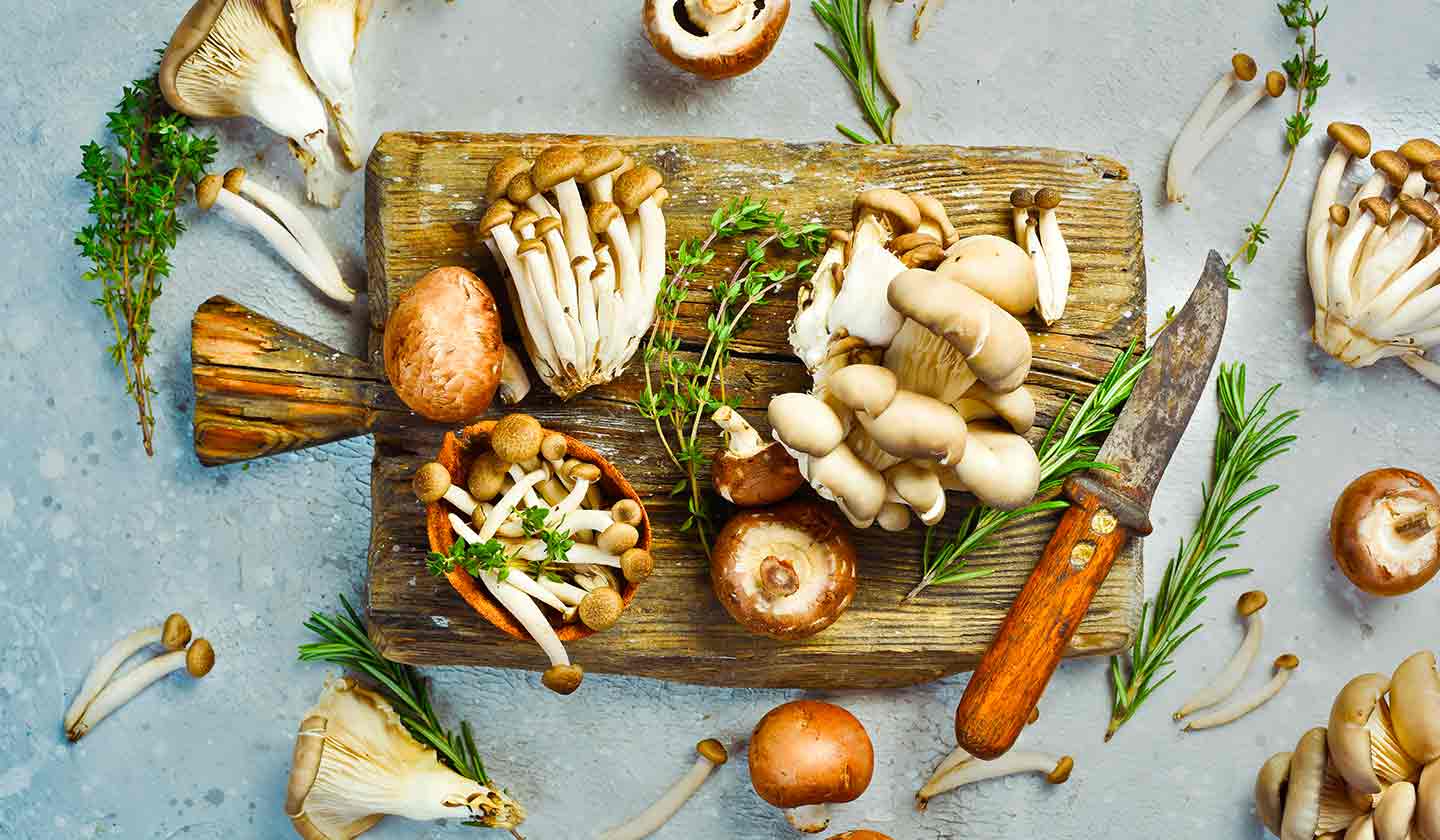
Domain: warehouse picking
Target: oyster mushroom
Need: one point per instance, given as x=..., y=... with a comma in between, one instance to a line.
x=1415, y=707
x=1385, y=531
x=716, y=39
x=233, y=58
x=806, y=755
x=327, y=33
x=1394, y=812
x=1000, y=468
x=749, y=472
x=996, y=268
x=1270, y=786
x=1427, y=808
x=995, y=345
x=1352, y=749
x=1301, y=813
x=787, y=572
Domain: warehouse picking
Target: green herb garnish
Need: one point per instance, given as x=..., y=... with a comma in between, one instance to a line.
x=557, y=543
x=1245, y=440
x=850, y=28
x=136, y=187
x=488, y=556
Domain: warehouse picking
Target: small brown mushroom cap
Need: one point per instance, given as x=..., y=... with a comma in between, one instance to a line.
x=713, y=751
x=175, y=632
x=637, y=565
x=721, y=55
x=1047, y=198
x=807, y=752
x=1353, y=137
x=1243, y=66
x=583, y=471
x=1379, y=551
x=618, y=538
x=601, y=608
x=502, y=173
x=600, y=159
x=521, y=188
x=1379, y=208
x=234, y=179
x=787, y=572
x=1395, y=168
x=430, y=482
x=442, y=348
x=909, y=241
x=636, y=185
x=500, y=212
x=602, y=215
x=1431, y=172
x=1022, y=199
x=768, y=476
x=1423, y=211
x=553, y=447
x=528, y=245
x=207, y=191
x=1251, y=602
x=627, y=511
x=199, y=658
x=1419, y=152
x=545, y=225
x=516, y=438
x=562, y=679
x=1275, y=84
x=556, y=164
x=928, y=255
x=1339, y=214
x=861, y=834
x=524, y=217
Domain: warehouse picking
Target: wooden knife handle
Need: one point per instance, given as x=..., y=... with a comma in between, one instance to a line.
x=1015, y=670
x=262, y=388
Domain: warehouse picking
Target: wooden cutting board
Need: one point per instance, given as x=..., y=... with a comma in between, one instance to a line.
x=424, y=198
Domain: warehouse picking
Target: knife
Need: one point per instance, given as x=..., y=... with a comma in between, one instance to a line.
x=1107, y=508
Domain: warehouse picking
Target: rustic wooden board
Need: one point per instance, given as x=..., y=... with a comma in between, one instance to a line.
x=424, y=198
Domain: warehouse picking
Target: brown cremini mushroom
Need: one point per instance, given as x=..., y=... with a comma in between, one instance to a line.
x=1385, y=531
x=787, y=572
x=516, y=438
x=750, y=472
x=716, y=39
x=443, y=350
x=806, y=755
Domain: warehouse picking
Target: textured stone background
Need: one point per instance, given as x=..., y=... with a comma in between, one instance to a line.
x=97, y=539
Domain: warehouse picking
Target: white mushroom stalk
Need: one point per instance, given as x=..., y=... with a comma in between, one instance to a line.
x=1230, y=677
x=1206, y=128
x=954, y=759
x=231, y=58
x=1374, y=275
x=196, y=660
x=1284, y=665
x=326, y=35
x=327, y=273
x=173, y=634
x=1054, y=285
x=711, y=754
x=1055, y=769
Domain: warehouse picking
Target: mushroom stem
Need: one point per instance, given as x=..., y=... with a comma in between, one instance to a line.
x=1229, y=678
x=507, y=503
x=1057, y=258
x=1227, y=120
x=328, y=279
x=514, y=382
x=891, y=75
x=197, y=660
x=741, y=439
x=1057, y=770
x=174, y=634
x=570, y=594
x=523, y=582
x=712, y=754
x=1044, y=288
x=957, y=757
x=1194, y=128
x=1283, y=666
x=325, y=38
x=210, y=192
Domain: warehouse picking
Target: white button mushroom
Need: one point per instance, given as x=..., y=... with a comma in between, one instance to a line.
x=716, y=39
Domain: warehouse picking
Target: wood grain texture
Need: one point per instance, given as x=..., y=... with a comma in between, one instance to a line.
x=424, y=198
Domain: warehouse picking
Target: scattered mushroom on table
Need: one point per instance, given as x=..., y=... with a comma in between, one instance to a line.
x=1208, y=125
x=196, y=660
x=917, y=371
x=1248, y=607
x=716, y=39
x=710, y=754
x=173, y=634
x=326, y=35
x=806, y=755
x=1385, y=531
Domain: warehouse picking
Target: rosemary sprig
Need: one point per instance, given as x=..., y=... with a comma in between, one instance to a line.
x=136, y=187
x=1244, y=441
x=851, y=31
x=1308, y=72
x=681, y=391
x=1061, y=454
x=346, y=643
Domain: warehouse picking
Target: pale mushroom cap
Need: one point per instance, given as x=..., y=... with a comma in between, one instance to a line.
x=636, y=185
x=516, y=438
x=1243, y=66
x=1013, y=485
x=1269, y=790
x=502, y=173
x=556, y=164
x=1427, y=814
x=808, y=753
x=995, y=344
x=1394, y=812
x=717, y=55
x=1348, y=739
x=1415, y=706
x=866, y=388
x=250, y=27
x=854, y=484
x=896, y=207
x=917, y=426
x=805, y=424
x=1302, y=795
x=996, y=268
x=430, y=482
x=1353, y=137
x=932, y=210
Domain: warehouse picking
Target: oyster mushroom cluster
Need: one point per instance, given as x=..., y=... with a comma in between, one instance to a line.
x=1373, y=266
x=1373, y=773
x=580, y=236
x=917, y=361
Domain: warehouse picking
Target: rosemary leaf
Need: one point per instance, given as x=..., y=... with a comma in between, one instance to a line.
x=1244, y=442
x=850, y=29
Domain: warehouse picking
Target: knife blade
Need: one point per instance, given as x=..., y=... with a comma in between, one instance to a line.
x=1107, y=509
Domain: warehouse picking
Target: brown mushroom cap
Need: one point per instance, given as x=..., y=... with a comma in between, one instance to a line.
x=602, y=215
x=1422, y=210
x=1353, y=137
x=787, y=572
x=933, y=211
x=636, y=185
x=1047, y=198
x=1395, y=168
x=601, y=608
x=521, y=188
x=637, y=565
x=502, y=173
x=1339, y=214
x=1275, y=84
x=1244, y=66
x=1022, y=199
x=768, y=476
x=562, y=679
x=556, y=164
x=199, y=658
x=600, y=159
x=1431, y=172
x=442, y=348
x=430, y=482
x=1419, y=151
x=207, y=191
x=714, y=56
x=807, y=752
x=1377, y=527
x=1378, y=208
x=516, y=438
x=175, y=632
x=500, y=212
x=486, y=476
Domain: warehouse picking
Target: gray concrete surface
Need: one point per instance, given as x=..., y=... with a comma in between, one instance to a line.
x=96, y=538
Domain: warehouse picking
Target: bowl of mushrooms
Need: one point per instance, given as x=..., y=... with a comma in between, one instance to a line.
x=538, y=532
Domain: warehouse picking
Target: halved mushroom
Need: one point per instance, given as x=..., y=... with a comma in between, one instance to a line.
x=787, y=572
x=806, y=755
x=716, y=39
x=234, y=58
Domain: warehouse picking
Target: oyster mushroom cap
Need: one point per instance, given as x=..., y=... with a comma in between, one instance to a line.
x=808, y=753
x=1415, y=706
x=840, y=476
x=1016, y=408
x=861, y=307
x=1270, y=786
x=805, y=424
x=1349, y=738
x=916, y=426
x=787, y=572
x=723, y=39
x=1302, y=792
x=895, y=209
x=1427, y=808
x=443, y=349
x=995, y=345
x=867, y=389
x=1394, y=811
x=917, y=483
x=1000, y=467
x=996, y=268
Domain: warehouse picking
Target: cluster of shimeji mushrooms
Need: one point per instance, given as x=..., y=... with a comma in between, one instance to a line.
x=1037, y=230
x=232, y=58
x=1373, y=264
x=918, y=363
x=1373, y=773
x=1208, y=125
x=584, y=271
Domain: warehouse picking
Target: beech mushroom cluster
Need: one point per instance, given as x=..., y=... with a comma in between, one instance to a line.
x=1373, y=773
x=532, y=524
x=234, y=58
x=1385, y=531
x=716, y=39
x=583, y=271
x=917, y=361
x=443, y=350
x=1037, y=230
x=1208, y=125
x=1372, y=261
x=806, y=755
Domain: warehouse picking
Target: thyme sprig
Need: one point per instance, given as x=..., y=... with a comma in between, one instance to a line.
x=137, y=183
x=346, y=643
x=488, y=556
x=852, y=33
x=1061, y=454
x=681, y=390
x=1246, y=439
x=1308, y=71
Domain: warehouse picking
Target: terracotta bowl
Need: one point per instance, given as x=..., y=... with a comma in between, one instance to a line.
x=456, y=453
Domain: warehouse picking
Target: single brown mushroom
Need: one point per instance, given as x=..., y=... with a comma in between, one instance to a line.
x=516, y=438
x=711, y=754
x=806, y=755
x=716, y=39
x=197, y=660
x=1385, y=531
x=787, y=572
x=750, y=472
